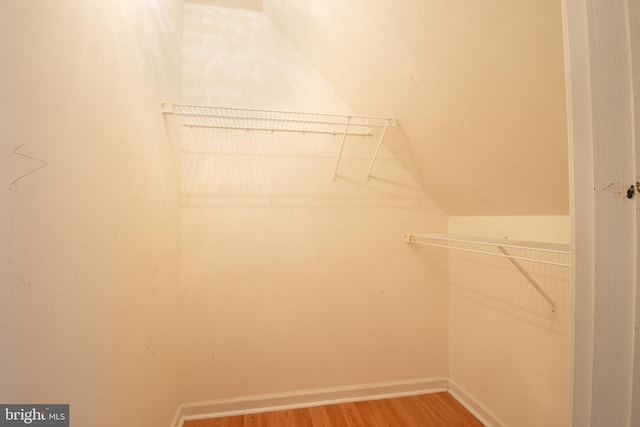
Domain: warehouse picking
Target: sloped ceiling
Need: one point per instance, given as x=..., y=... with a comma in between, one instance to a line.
x=477, y=88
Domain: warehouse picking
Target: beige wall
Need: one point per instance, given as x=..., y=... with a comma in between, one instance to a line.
x=507, y=349
x=547, y=228
x=237, y=58
x=89, y=249
x=292, y=280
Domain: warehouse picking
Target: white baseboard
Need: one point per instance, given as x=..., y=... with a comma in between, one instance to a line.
x=473, y=405
x=177, y=420
x=328, y=396
x=308, y=398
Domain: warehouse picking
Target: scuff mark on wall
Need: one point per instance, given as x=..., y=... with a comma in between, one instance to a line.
x=631, y=191
x=622, y=190
x=43, y=163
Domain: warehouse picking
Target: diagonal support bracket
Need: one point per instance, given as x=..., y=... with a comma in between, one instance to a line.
x=527, y=276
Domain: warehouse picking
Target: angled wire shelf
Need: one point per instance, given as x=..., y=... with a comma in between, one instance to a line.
x=501, y=249
x=283, y=121
x=272, y=120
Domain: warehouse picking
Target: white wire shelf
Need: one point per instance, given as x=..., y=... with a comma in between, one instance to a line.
x=272, y=120
x=284, y=121
x=453, y=242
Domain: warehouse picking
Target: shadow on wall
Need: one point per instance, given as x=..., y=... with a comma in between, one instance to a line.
x=262, y=168
x=494, y=282
x=436, y=260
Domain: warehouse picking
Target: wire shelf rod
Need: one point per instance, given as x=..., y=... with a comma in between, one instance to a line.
x=176, y=109
x=327, y=132
x=559, y=264
x=279, y=120
x=480, y=242
x=411, y=238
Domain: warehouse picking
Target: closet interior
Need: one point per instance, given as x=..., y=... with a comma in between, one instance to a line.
x=228, y=207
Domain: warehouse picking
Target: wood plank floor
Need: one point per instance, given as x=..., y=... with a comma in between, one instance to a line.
x=432, y=410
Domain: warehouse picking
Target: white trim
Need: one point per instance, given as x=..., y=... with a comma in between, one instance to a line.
x=474, y=406
x=177, y=420
x=308, y=398
x=579, y=126
x=599, y=63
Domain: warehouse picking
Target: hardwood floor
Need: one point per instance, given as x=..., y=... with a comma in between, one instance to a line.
x=429, y=410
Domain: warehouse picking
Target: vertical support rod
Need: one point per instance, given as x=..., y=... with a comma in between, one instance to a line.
x=529, y=278
x=375, y=155
x=344, y=137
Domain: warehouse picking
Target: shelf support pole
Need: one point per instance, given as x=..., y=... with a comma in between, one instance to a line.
x=375, y=155
x=344, y=137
